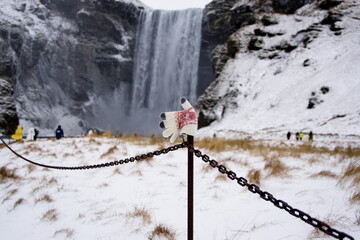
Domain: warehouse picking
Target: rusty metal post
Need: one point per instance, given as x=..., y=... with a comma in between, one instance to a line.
x=190, y=140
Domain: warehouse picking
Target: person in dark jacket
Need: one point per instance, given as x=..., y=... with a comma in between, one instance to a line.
x=288, y=135
x=310, y=136
x=297, y=136
x=36, y=134
x=59, y=133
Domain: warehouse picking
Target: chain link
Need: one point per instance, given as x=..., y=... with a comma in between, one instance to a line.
x=103, y=165
x=269, y=197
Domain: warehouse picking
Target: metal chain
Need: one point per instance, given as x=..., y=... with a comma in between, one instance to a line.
x=102, y=165
x=269, y=197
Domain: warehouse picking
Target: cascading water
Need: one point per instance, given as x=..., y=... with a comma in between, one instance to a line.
x=166, y=63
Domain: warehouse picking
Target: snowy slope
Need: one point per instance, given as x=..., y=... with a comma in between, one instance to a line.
x=273, y=94
x=102, y=203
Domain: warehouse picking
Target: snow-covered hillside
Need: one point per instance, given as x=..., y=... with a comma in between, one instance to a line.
x=304, y=75
x=141, y=200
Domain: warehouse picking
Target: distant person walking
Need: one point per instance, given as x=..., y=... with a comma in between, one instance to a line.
x=59, y=133
x=18, y=133
x=301, y=135
x=288, y=135
x=297, y=136
x=36, y=133
x=310, y=136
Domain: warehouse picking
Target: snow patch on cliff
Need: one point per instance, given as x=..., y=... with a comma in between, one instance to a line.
x=273, y=94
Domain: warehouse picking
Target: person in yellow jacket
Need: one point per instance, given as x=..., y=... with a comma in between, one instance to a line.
x=18, y=133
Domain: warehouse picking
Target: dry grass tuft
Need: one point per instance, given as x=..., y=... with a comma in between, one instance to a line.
x=221, y=177
x=18, y=202
x=276, y=168
x=109, y=152
x=10, y=194
x=155, y=140
x=68, y=155
x=93, y=141
x=162, y=231
x=351, y=172
x=254, y=176
x=50, y=215
x=207, y=168
x=6, y=173
x=30, y=168
x=66, y=231
x=103, y=185
x=357, y=221
x=355, y=198
x=45, y=181
x=45, y=198
x=324, y=174
x=117, y=171
x=141, y=213
x=137, y=172
x=32, y=148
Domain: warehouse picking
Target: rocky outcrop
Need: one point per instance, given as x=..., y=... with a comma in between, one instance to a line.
x=243, y=36
x=71, y=54
x=8, y=116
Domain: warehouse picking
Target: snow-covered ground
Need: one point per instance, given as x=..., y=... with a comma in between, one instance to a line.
x=128, y=201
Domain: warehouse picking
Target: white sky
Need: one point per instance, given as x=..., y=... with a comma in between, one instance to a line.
x=175, y=4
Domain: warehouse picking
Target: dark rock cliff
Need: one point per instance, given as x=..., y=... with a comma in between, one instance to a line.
x=69, y=54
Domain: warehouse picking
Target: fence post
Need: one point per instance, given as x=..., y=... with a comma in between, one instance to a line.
x=190, y=140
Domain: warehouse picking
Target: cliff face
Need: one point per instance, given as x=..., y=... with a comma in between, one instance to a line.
x=272, y=33
x=64, y=59
x=224, y=17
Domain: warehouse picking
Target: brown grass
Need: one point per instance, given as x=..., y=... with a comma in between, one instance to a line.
x=207, y=168
x=137, y=172
x=141, y=213
x=117, y=171
x=351, y=172
x=221, y=177
x=93, y=141
x=66, y=231
x=324, y=174
x=262, y=148
x=276, y=168
x=44, y=180
x=10, y=194
x=162, y=231
x=103, y=185
x=32, y=148
x=45, y=198
x=6, y=173
x=109, y=152
x=355, y=198
x=30, y=168
x=50, y=216
x=18, y=202
x=254, y=176
x=68, y=155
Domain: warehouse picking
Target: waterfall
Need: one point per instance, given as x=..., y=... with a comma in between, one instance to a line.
x=166, y=62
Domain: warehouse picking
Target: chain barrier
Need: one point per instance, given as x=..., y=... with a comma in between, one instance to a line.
x=269, y=197
x=222, y=169
x=102, y=165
